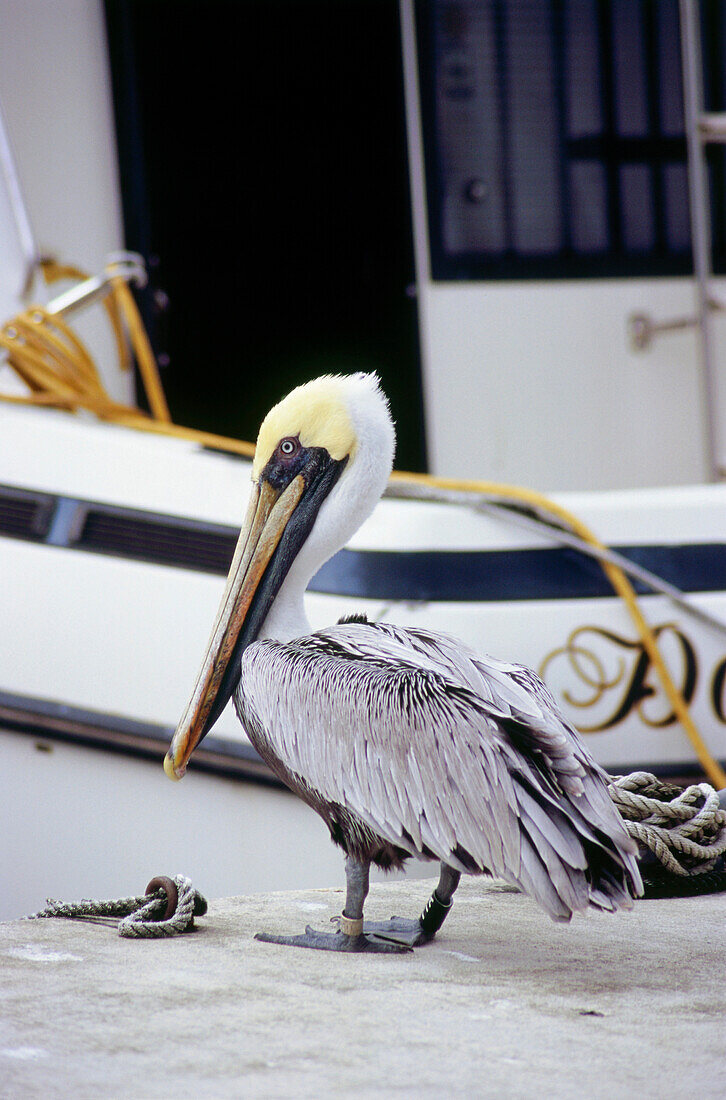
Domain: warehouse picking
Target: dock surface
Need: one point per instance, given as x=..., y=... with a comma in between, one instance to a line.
x=504, y=1003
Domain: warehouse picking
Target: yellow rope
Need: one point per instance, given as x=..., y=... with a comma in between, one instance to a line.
x=58, y=371
x=144, y=355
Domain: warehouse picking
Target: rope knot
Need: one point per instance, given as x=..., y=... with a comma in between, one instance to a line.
x=168, y=908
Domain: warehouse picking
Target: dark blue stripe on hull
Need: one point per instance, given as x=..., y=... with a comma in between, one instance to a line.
x=492, y=575
x=555, y=573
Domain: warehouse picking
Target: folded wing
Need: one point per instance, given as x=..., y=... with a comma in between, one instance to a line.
x=442, y=752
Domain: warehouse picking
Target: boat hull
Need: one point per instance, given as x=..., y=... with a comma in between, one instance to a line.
x=113, y=551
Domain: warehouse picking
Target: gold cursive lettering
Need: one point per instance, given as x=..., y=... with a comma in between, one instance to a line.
x=631, y=687
x=717, y=690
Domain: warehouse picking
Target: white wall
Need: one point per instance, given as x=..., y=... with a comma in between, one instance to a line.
x=545, y=390
x=56, y=96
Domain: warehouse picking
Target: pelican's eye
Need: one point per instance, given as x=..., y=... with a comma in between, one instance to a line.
x=288, y=447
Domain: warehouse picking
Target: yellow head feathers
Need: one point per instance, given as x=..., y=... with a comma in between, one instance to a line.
x=318, y=413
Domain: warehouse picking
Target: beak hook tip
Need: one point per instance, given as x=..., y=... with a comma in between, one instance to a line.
x=174, y=773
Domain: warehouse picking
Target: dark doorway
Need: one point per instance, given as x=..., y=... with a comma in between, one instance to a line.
x=263, y=165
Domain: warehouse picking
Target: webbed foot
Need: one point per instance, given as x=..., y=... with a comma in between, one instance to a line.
x=337, y=941
x=400, y=930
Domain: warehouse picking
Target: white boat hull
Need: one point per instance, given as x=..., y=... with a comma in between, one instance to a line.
x=102, y=636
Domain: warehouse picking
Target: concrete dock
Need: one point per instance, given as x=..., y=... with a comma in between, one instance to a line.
x=504, y=1004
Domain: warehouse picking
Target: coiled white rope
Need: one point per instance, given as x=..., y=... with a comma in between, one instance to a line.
x=167, y=908
x=684, y=829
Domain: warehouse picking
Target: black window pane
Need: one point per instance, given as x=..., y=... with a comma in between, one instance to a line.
x=534, y=161
x=554, y=137
x=675, y=198
x=588, y=199
x=582, y=77
x=629, y=68
x=636, y=189
x=470, y=133
x=670, y=80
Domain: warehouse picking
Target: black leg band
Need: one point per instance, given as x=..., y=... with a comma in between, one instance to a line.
x=434, y=914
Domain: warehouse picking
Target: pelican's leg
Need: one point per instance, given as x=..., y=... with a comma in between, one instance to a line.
x=413, y=933
x=350, y=936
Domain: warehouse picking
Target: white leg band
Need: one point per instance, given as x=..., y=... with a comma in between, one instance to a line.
x=350, y=927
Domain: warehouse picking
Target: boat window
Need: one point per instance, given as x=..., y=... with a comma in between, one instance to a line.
x=554, y=137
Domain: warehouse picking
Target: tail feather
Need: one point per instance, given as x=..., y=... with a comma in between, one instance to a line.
x=535, y=879
x=575, y=854
x=570, y=883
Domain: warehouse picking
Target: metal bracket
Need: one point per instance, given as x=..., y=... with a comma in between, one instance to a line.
x=642, y=328
x=125, y=265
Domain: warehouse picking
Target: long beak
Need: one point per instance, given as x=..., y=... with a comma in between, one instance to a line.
x=267, y=517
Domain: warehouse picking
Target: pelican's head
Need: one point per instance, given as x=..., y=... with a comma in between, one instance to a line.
x=322, y=459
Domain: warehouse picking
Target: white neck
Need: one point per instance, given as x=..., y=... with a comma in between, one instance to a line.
x=286, y=618
x=349, y=504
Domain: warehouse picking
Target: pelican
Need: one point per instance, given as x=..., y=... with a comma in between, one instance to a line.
x=406, y=742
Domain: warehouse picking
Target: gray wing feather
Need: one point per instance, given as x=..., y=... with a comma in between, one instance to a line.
x=437, y=748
